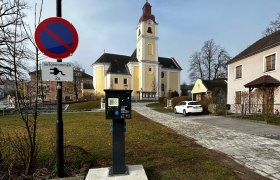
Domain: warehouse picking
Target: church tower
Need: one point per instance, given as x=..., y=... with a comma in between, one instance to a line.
x=147, y=50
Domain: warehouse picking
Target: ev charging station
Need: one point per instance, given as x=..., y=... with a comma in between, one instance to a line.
x=118, y=108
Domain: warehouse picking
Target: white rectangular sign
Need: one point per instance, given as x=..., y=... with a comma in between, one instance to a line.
x=57, y=71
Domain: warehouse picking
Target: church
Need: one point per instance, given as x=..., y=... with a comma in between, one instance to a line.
x=144, y=72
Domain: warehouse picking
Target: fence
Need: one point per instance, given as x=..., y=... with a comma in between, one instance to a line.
x=254, y=108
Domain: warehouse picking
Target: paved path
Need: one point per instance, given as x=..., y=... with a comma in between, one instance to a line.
x=246, y=126
x=257, y=153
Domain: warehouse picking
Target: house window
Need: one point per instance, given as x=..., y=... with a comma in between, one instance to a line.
x=162, y=74
x=162, y=87
x=270, y=62
x=238, y=97
x=67, y=90
x=116, y=80
x=238, y=72
x=42, y=97
x=125, y=81
x=67, y=98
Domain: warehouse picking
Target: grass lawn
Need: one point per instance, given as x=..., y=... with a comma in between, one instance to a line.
x=163, y=153
x=159, y=107
x=85, y=105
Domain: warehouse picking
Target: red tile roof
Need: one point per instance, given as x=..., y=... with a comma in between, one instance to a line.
x=147, y=13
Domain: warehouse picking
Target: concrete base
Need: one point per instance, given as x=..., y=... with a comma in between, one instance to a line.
x=136, y=172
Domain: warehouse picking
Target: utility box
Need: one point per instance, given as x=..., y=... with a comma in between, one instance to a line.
x=118, y=104
x=228, y=107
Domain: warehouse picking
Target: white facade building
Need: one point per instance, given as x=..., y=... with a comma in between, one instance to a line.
x=259, y=63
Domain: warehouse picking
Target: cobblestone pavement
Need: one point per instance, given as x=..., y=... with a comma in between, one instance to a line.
x=245, y=126
x=257, y=153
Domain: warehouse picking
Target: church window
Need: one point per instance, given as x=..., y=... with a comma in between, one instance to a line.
x=125, y=81
x=116, y=80
x=150, y=69
x=162, y=87
x=139, y=32
x=150, y=49
x=149, y=30
x=162, y=74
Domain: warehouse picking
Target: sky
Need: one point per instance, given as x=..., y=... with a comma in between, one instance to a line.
x=183, y=26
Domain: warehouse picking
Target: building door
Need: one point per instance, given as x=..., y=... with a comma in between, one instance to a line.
x=268, y=100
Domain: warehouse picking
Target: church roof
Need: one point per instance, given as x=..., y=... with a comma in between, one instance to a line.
x=169, y=63
x=118, y=63
x=263, y=44
x=133, y=57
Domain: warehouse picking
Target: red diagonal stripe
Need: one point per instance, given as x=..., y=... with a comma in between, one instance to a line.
x=57, y=38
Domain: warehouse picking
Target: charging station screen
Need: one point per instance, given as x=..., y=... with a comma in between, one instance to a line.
x=113, y=102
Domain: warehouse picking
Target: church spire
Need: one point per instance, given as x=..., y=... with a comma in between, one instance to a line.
x=147, y=13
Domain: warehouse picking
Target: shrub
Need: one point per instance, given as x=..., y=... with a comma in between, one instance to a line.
x=218, y=109
x=205, y=102
x=178, y=99
x=162, y=100
x=174, y=94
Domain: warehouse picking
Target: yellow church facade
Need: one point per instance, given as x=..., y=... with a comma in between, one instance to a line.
x=144, y=72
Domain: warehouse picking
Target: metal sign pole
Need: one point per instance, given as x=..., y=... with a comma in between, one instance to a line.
x=59, y=122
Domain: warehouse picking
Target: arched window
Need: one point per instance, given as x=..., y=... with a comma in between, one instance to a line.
x=149, y=30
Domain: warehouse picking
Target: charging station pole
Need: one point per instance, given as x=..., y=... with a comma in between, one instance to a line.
x=118, y=153
x=59, y=122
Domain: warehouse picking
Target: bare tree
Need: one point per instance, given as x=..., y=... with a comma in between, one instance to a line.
x=77, y=79
x=14, y=51
x=272, y=27
x=196, y=69
x=9, y=18
x=209, y=63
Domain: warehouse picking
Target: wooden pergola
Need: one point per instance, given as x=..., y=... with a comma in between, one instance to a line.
x=263, y=83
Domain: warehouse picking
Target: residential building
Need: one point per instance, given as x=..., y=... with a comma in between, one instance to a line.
x=7, y=92
x=256, y=72
x=79, y=88
x=215, y=89
x=144, y=72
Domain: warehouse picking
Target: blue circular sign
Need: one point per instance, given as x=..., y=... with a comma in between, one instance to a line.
x=56, y=37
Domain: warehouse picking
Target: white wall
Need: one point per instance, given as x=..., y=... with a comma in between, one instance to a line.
x=252, y=68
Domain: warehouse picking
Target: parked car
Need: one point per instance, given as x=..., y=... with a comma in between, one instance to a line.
x=188, y=107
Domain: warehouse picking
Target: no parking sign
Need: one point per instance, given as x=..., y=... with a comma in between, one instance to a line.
x=56, y=38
